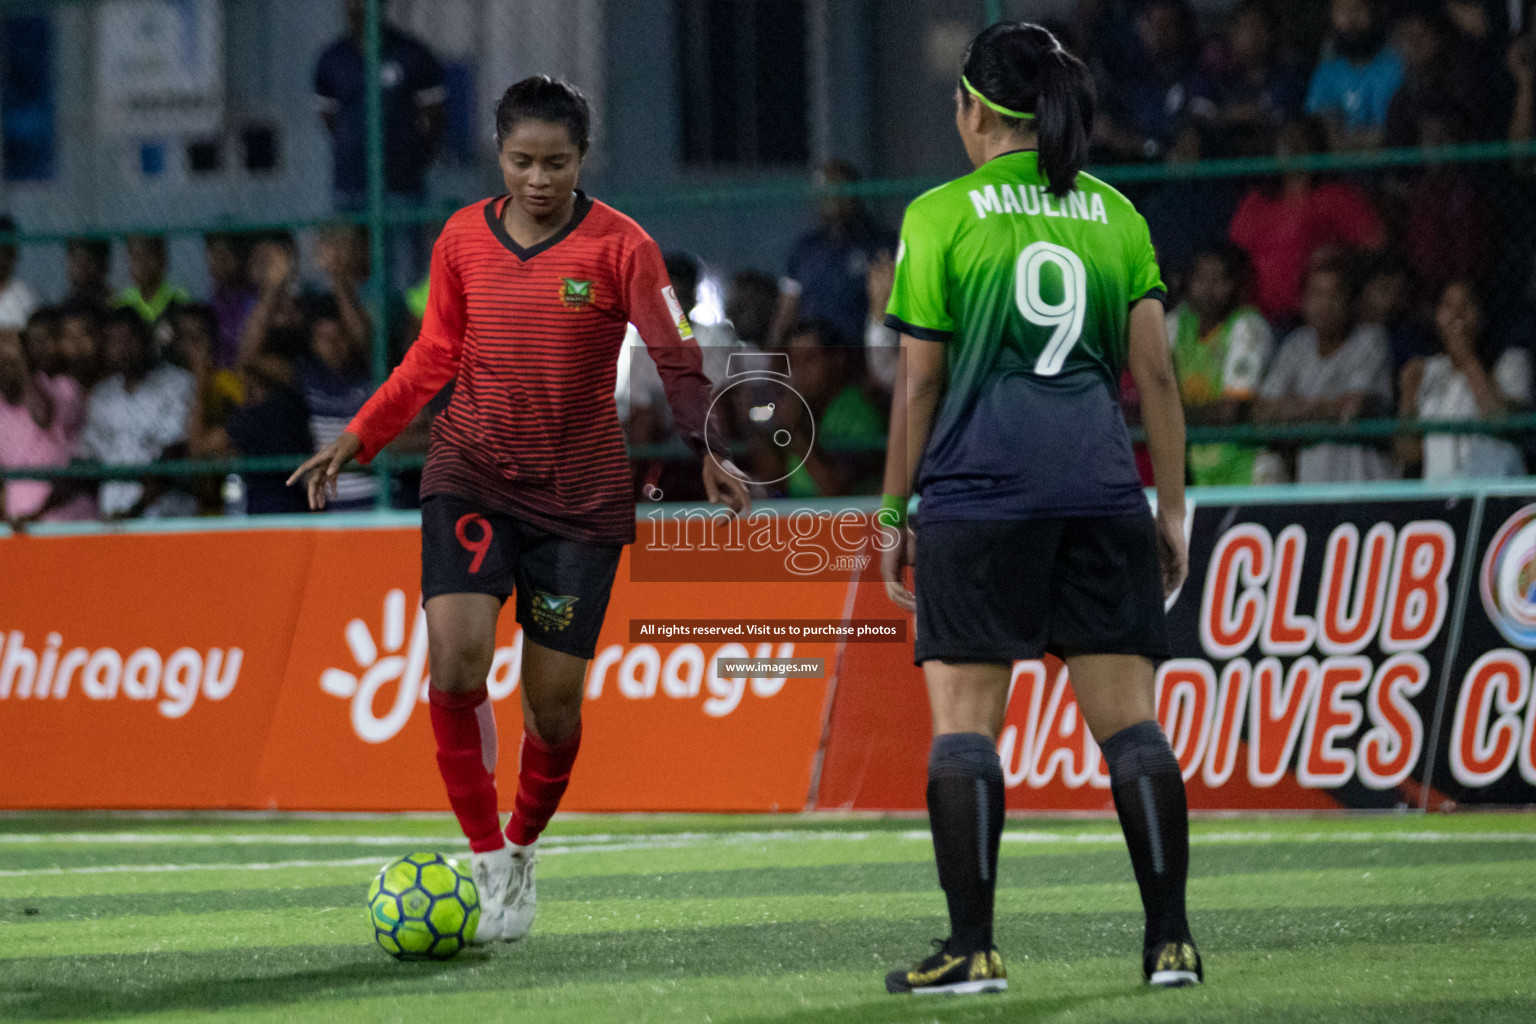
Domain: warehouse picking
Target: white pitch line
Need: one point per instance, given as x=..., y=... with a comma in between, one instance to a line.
x=1217, y=838
x=602, y=841
x=686, y=840
x=673, y=841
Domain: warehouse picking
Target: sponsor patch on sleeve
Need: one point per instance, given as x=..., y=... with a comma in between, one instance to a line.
x=680, y=318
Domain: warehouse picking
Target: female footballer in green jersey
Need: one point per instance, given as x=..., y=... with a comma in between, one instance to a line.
x=1022, y=292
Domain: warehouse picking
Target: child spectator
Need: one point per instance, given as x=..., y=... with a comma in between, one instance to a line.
x=641, y=399
x=1465, y=381
x=1352, y=88
x=17, y=300
x=1255, y=91
x=88, y=262
x=1331, y=371
x=218, y=390
x=80, y=342
x=271, y=420
x=39, y=419
x=41, y=337
x=233, y=297
x=334, y=381
x=1386, y=300
x=1283, y=223
x=1221, y=347
x=137, y=415
x=150, y=295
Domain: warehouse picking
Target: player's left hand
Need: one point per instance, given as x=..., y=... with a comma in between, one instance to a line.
x=723, y=485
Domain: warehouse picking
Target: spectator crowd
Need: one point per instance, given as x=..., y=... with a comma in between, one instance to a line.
x=1306, y=296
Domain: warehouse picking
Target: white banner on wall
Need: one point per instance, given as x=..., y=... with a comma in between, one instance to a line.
x=160, y=67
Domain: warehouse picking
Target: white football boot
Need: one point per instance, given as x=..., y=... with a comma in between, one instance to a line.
x=493, y=873
x=522, y=901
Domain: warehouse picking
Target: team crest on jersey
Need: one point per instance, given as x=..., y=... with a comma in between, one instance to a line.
x=553, y=612
x=679, y=317
x=574, y=292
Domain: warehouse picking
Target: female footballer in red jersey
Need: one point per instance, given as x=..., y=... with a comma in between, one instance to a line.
x=527, y=488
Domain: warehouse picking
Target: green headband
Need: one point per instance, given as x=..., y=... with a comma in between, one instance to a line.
x=994, y=106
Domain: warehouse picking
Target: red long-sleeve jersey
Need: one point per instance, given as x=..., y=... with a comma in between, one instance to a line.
x=531, y=339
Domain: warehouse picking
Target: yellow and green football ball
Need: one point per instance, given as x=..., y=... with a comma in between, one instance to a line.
x=423, y=907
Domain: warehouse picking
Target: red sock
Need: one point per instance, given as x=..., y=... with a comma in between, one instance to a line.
x=465, y=727
x=542, y=776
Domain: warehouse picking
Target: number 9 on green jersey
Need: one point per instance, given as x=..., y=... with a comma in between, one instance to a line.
x=1031, y=292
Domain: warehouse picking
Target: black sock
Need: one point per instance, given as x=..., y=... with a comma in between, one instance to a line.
x=1149, y=797
x=965, y=812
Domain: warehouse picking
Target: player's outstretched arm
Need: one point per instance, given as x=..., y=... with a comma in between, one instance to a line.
x=319, y=471
x=1163, y=415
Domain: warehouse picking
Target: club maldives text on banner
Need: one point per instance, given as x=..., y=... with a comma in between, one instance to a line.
x=288, y=668
x=1367, y=650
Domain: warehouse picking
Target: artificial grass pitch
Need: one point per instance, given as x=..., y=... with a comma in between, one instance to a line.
x=261, y=918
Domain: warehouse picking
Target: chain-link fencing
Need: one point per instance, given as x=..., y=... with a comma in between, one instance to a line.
x=237, y=146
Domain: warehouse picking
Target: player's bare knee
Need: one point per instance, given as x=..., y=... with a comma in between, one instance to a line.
x=458, y=668
x=554, y=718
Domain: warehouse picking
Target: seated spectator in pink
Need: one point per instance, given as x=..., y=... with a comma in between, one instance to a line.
x=1281, y=223
x=137, y=415
x=1470, y=379
x=1331, y=370
x=1353, y=84
x=39, y=418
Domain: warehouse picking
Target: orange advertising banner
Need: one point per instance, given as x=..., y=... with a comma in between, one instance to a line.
x=287, y=668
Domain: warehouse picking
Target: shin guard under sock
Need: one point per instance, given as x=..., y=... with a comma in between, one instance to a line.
x=1149, y=796
x=465, y=728
x=965, y=812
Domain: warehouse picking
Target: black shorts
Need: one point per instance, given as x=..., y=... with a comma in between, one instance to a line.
x=1014, y=590
x=562, y=585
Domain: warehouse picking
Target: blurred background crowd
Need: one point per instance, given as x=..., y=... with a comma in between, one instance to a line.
x=1302, y=293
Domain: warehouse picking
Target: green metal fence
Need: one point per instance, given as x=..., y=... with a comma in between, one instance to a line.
x=1500, y=171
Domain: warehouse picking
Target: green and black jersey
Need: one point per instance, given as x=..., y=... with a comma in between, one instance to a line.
x=1032, y=293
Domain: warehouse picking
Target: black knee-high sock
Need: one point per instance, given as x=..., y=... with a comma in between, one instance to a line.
x=965, y=812
x=1149, y=797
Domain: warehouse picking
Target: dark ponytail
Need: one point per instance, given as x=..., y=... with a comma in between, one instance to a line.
x=542, y=98
x=1022, y=67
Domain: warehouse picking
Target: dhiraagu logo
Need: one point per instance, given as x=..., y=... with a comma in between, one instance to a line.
x=388, y=673
x=1508, y=579
x=379, y=661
